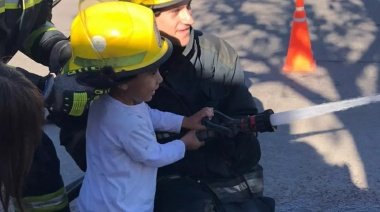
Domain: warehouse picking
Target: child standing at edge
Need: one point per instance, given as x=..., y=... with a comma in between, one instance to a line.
x=122, y=151
x=21, y=122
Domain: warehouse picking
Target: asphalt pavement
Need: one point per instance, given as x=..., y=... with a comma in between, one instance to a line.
x=327, y=163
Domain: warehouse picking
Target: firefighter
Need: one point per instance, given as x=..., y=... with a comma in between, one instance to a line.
x=205, y=71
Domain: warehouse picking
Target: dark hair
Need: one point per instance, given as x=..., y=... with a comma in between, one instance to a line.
x=21, y=120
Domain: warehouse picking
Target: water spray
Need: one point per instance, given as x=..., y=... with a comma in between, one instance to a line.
x=268, y=121
x=288, y=117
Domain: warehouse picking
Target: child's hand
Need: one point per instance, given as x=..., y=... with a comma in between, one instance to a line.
x=194, y=122
x=191, y=141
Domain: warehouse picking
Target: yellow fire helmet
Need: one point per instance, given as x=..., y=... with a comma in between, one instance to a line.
x=121, y=36
x=157, y=4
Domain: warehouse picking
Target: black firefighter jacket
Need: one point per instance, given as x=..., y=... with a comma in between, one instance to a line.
x=25, y=26
x=207, y=72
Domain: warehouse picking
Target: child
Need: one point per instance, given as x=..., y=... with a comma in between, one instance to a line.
x=122, y=151
x=21, y=120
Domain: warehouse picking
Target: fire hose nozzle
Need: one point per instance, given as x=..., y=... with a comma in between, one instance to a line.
x=261, y=122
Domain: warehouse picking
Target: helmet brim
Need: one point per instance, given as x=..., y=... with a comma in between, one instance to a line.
x=164, y=5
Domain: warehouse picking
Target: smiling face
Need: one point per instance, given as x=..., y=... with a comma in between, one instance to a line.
x=139, y=89
x=175, y=21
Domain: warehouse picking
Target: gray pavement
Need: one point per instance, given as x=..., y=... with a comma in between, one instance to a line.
x=327, y=163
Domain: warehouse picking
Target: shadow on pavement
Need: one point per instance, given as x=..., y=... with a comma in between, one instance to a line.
x=328, y=163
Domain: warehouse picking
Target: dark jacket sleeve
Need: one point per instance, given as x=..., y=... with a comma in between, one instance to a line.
x=241, y=152
x=238, y=100
x=37, y=80
x=41, y=40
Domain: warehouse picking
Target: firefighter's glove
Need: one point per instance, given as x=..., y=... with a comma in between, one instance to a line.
x=263, y=123
x=64, y=94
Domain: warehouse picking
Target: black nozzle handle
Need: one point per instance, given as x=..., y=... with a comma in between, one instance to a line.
x=262, y=122
x=205, y=134
x=216, y=127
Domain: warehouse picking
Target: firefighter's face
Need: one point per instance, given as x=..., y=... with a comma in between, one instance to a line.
x=175, y=22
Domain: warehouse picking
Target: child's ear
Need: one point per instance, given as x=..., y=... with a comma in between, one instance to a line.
x=123, y=87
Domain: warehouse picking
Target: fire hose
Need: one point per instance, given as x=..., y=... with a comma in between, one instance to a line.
x=267, y=120
x=225, y=126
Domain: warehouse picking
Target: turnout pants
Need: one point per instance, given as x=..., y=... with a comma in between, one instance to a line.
x=44, y=189
x=188, y=195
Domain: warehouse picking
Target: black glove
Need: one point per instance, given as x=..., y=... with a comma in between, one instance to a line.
x=64, y=94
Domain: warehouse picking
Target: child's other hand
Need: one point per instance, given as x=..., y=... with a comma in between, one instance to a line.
x=191, y=141
x=194, y=122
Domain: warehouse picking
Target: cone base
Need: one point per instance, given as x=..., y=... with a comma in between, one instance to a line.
x=308, y=69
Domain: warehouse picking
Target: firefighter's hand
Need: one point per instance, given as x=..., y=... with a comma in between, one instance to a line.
x=64, y=94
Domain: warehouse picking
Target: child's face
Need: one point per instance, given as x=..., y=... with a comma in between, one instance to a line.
x=143, y=87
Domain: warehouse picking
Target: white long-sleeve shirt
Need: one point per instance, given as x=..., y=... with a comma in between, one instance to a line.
x=123, y=155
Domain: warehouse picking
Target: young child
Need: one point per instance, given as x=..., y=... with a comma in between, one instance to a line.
x=21, y=120
x=122, y=151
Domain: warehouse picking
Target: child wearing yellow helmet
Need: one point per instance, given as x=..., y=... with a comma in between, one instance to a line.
x=204, y=70
x=116, y=45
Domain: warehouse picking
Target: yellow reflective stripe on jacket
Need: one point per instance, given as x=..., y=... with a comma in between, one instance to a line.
x=14, y=4
x=29, y=41
x=30, y=3
x=48, y=202
x=2, y=6
x=8, y=4
x=11, y=4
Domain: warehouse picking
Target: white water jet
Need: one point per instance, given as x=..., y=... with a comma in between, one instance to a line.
x=287, y=117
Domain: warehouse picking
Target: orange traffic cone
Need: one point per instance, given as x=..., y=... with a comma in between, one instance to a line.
x=300, y=56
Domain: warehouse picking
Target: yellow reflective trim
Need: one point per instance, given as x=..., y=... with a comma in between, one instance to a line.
x=14, y=5
x=11, y=6
x=48, y=202
x=29, y=41
x=31, y=3
x=2, y=6
x=79, y=104
x=10, y=66
x=117, y=62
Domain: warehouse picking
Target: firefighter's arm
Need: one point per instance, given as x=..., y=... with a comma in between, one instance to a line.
x=39, y=81
x=65, y=94
x=48, y=46
x=61, y=94
x=239, y=101
x=45, y=44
